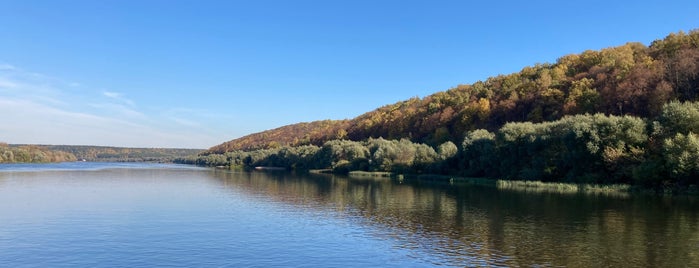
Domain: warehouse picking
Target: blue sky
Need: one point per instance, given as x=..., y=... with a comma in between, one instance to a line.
x=197, y=73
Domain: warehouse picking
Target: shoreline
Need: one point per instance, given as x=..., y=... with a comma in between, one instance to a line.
x=523, y=185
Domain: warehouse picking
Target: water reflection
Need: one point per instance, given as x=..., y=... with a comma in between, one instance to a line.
x=467, y=225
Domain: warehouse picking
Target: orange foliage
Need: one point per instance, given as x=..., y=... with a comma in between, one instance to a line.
x=632, y=79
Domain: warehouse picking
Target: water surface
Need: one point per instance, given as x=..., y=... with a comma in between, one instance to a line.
x=137, y=215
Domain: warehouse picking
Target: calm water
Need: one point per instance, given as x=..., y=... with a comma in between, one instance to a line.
x=140, y=215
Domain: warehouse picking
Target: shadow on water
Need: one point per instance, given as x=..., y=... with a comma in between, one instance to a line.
x=466, y=225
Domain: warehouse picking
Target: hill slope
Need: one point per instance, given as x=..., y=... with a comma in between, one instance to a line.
x=632, y=79
x=316, y=132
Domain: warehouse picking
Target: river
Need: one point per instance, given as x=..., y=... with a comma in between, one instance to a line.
x=145, y=215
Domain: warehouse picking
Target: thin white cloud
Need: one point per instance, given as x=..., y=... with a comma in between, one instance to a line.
x=112, y=95
x=7, y=67
x=185, y=122
x=118, y=97
x=17, y=83
x=7, y=84
x=118, y=109
x=48, y=125
x=40, y=109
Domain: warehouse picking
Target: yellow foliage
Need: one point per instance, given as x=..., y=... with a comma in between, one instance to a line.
x=483, y=108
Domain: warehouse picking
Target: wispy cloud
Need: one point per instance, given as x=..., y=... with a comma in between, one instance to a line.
x=37, y=108
x=112, y=95
x=118, y=97
x=5, y=66
x=20, y=84
x=7, y=84
x=118, y=109
x=185, y=122
x=38, y=123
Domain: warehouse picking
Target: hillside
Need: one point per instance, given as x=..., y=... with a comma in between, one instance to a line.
x=632, y=79
x=316, y=132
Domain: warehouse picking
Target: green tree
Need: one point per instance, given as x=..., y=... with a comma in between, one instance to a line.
x=679, y=117
x=479, y=153
x=447, y=150
x=681, y=154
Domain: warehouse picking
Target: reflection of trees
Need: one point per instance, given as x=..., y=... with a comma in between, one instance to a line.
x=464, y=224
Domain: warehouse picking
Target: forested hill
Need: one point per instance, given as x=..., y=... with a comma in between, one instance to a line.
x=632, y=79
x=316, y=132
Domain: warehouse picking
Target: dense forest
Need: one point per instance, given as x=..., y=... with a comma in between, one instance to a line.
x=18, y=153
x=660, y=152
x=626, y=114
x=632, y=79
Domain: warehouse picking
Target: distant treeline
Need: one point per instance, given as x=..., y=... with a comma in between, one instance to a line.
x=660, y=152
x=122, y=154
x=62, y=153
x=632, y=79
x=32, y=154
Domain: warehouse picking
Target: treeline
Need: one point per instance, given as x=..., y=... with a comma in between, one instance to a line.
x=20, y=153
x=633, y=79
x=661, y=152
x=32, y=154
x=123, y=154
x=341, y=156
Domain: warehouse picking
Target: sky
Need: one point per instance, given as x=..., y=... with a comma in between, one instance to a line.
x=193, y=74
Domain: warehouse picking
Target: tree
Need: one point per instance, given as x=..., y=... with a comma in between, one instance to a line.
x=447, y=150
x=479, y=153
x=681, y=154
x=679, y=117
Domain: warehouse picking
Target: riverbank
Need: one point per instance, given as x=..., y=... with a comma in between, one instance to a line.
x=523, y=185
x=558, y=187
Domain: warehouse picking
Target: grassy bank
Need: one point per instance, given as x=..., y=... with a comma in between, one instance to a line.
x=551, y=187
x=558, y=187
x=367, y=174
